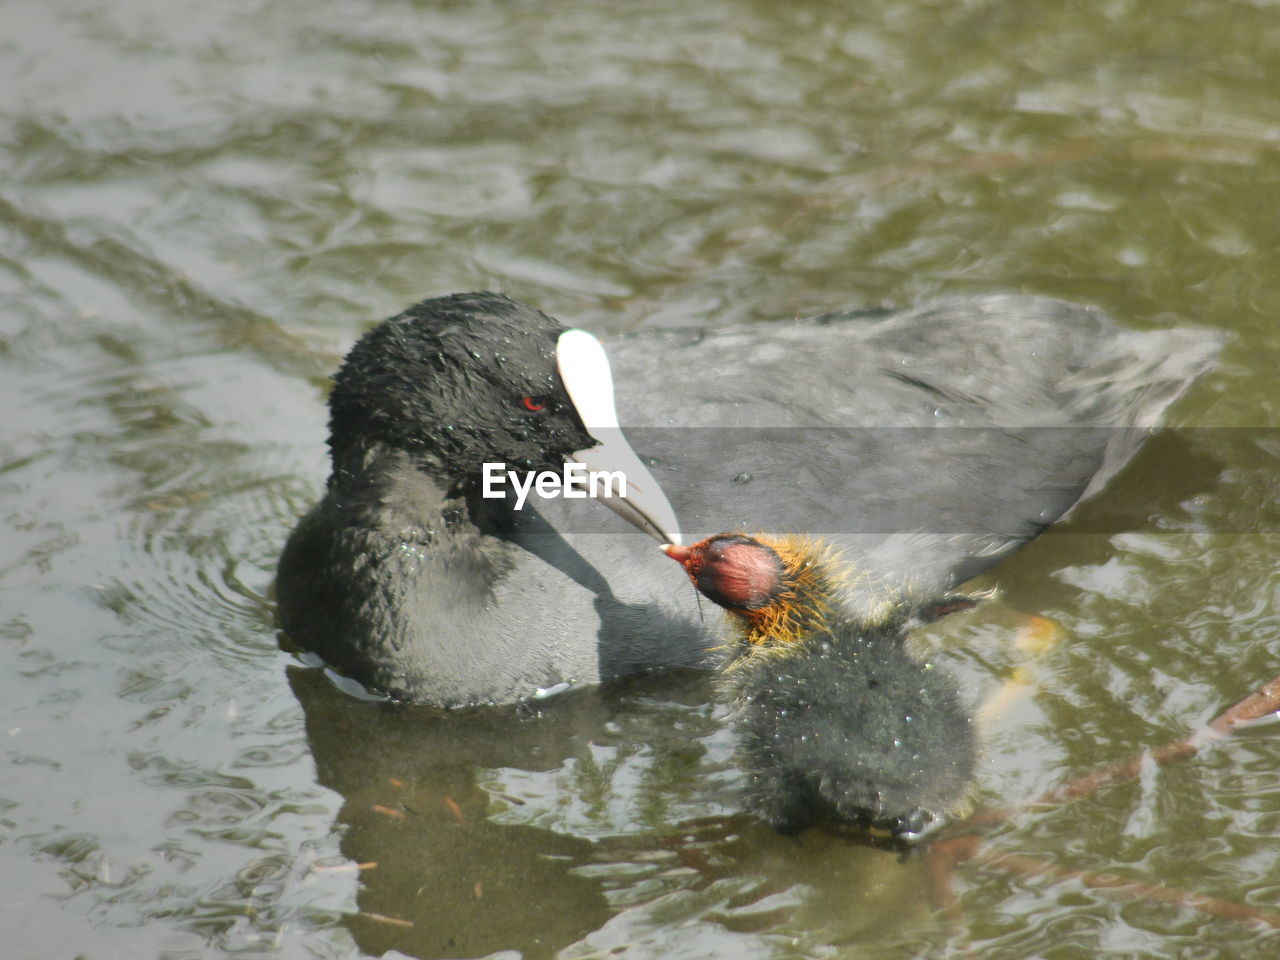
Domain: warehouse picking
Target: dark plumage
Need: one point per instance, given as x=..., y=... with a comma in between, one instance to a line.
x=416, y=383
x=403, y=577
x=836, y=721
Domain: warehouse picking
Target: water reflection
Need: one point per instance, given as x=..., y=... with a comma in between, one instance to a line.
x=445, y=873
x=481, y=831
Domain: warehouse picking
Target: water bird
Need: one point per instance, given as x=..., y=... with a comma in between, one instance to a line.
x=925, y=444
x=837, y=721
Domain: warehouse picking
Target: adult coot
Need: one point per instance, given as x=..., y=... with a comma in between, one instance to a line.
x=924, y=444
x=837, y=722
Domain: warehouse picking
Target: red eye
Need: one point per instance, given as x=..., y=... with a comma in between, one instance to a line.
x=531, y=404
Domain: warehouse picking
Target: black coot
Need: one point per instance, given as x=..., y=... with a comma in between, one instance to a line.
x=924, y=444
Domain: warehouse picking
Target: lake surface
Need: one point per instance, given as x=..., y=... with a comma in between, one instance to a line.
x=202, y=205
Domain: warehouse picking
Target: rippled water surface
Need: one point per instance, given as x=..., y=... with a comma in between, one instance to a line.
x=201, y=205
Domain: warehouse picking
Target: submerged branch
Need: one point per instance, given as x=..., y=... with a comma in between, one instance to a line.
x=962, y=842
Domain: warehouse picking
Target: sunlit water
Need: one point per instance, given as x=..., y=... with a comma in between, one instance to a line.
x=201, y=205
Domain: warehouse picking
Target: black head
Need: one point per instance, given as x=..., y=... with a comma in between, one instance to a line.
x=455, y=382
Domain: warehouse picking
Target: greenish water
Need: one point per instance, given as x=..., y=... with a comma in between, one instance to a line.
x=201, y=205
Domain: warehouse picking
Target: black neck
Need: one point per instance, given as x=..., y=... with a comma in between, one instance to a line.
x=405, y=494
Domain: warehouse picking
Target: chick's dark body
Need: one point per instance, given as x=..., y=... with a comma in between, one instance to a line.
x=852, y=729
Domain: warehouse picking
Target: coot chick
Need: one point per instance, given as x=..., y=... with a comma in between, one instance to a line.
x=925, y=444
x=837, y=722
